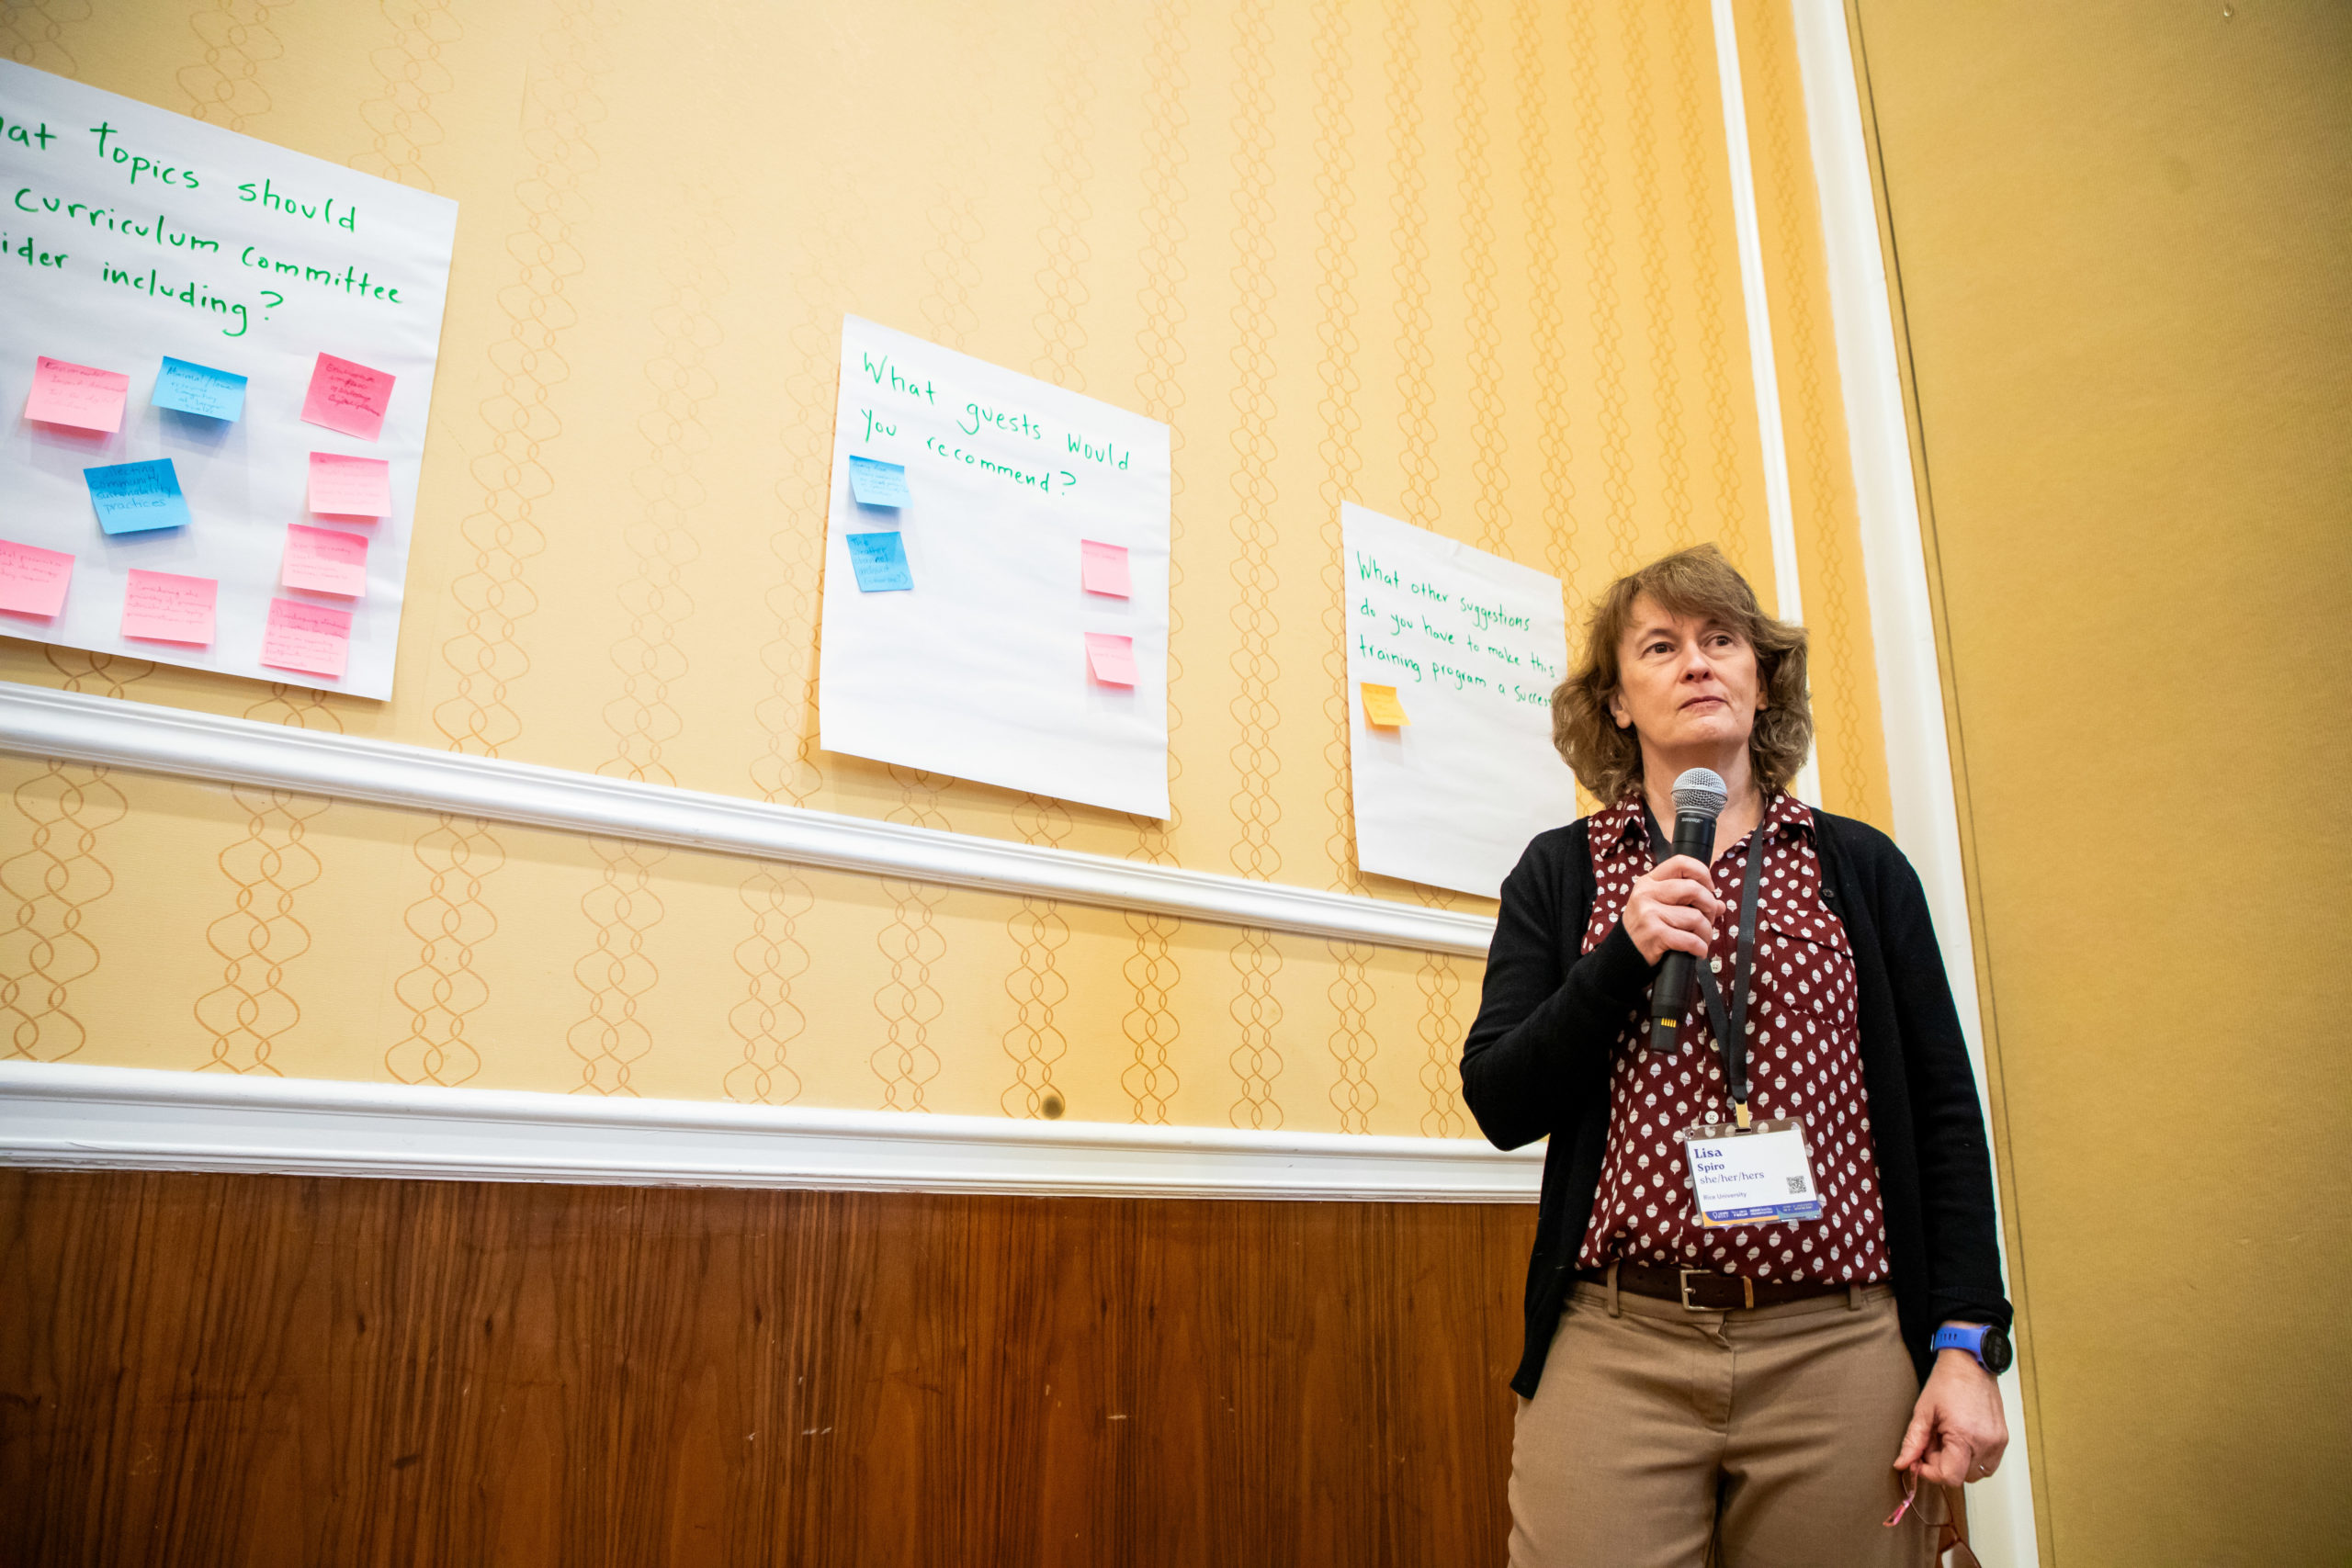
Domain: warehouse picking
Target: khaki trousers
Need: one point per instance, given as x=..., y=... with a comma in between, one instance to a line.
x=1661, y=1437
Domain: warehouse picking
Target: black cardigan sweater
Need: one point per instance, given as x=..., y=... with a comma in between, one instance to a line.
x=1536, y=1065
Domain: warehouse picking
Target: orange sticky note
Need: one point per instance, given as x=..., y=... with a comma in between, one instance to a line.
x=164, y=606
x=347, y=395
x=1104, y=568
x=1380, y=707
x=309, y=638
x=350, y=486
x=1113, y=659
x=324, y=560
x=79, y=395
x=32, y=581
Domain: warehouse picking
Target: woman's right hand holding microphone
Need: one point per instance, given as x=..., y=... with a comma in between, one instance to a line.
x=1673, y=909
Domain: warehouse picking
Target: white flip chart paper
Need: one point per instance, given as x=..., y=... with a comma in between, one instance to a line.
x=133, y=236
x=1471, y=645
x=979, y=665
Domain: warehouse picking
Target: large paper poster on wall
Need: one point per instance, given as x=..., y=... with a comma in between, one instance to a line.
x=1452, y=656
x=996, y=577
x=216, y=360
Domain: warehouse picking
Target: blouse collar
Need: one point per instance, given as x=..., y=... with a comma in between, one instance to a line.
x=1619, y=829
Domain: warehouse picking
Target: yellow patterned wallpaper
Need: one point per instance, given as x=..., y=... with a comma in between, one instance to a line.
x=1470, y=264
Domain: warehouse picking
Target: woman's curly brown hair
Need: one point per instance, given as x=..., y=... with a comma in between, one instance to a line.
x=1701, y=583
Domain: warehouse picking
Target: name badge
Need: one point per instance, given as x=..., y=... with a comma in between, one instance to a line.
x=1754, y=1176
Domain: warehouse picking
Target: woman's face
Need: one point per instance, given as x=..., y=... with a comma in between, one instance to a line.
x=1685, y=685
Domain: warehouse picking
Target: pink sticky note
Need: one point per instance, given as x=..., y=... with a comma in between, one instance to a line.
x=164, y=606
x=350, y=486
x=1113, y=659
x=347, y=396
x=32, y=581
x=310, y=637
x=1104, y=568
x=324, y=560
x=78, y=395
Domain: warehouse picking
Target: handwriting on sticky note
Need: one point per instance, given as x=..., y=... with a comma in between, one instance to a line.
x=880, y=562
x=325, y=560
x=347, y=396
x=32, y=581
x=199, y=390
x=1113, y=659
x=878, y=484
x=131, y=498
x=1380, y=707
x=313, y=638
x=1104, y=568
x=80, y=396
x=164, y=606
x=350, y=486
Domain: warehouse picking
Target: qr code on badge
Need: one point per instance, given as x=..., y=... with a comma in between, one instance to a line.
x=1797, y=1186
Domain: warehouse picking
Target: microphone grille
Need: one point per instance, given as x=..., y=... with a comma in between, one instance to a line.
x=1701, y=791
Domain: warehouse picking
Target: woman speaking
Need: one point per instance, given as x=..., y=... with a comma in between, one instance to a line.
x=1765, y=1303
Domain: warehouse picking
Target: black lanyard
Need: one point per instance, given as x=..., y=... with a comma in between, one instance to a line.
x=1730, y=1025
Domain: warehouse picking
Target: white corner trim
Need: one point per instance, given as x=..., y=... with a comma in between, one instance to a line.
x=73, y=726
x=1780, y=510
x=60, y=1116
x=1894, y=566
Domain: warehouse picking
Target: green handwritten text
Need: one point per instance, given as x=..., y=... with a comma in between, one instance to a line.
x=1107, y=455
x=37, y=138
x=886, y=374
x=269, y=196
x=1489, y=619
x=1012, y=422
x=1051, y=482
x=356, y=281
x=137, y=164
x=27, y=251
x=195, y=296
x=113, y=221
x=1380, y=655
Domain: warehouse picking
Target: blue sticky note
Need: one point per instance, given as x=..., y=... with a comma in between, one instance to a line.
x=199, y=390
x=877, y=483
x=131, y=498
x=881, y=563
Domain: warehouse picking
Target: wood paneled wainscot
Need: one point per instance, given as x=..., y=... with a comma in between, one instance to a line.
x=230, y=1369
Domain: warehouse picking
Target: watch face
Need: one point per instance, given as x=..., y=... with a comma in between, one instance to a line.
x=1995, y=1351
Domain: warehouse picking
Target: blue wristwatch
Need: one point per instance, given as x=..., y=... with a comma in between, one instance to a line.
x=1982, y=1340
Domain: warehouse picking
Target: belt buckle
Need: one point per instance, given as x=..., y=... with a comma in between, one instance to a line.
x=1683, y=1276
x=1747, y=1287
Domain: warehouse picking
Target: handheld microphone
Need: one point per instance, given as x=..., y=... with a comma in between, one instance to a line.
x=1699, y=798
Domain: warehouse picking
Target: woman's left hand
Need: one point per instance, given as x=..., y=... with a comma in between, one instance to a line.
x=1958, y=1432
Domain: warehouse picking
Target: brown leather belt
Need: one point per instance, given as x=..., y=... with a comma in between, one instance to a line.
x=1707, y=1290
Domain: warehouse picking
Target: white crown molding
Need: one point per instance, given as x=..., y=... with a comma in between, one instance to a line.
x=76, y=726
x=60, y=1116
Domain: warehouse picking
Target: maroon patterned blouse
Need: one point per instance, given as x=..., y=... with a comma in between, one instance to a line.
x=1804, y=1059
